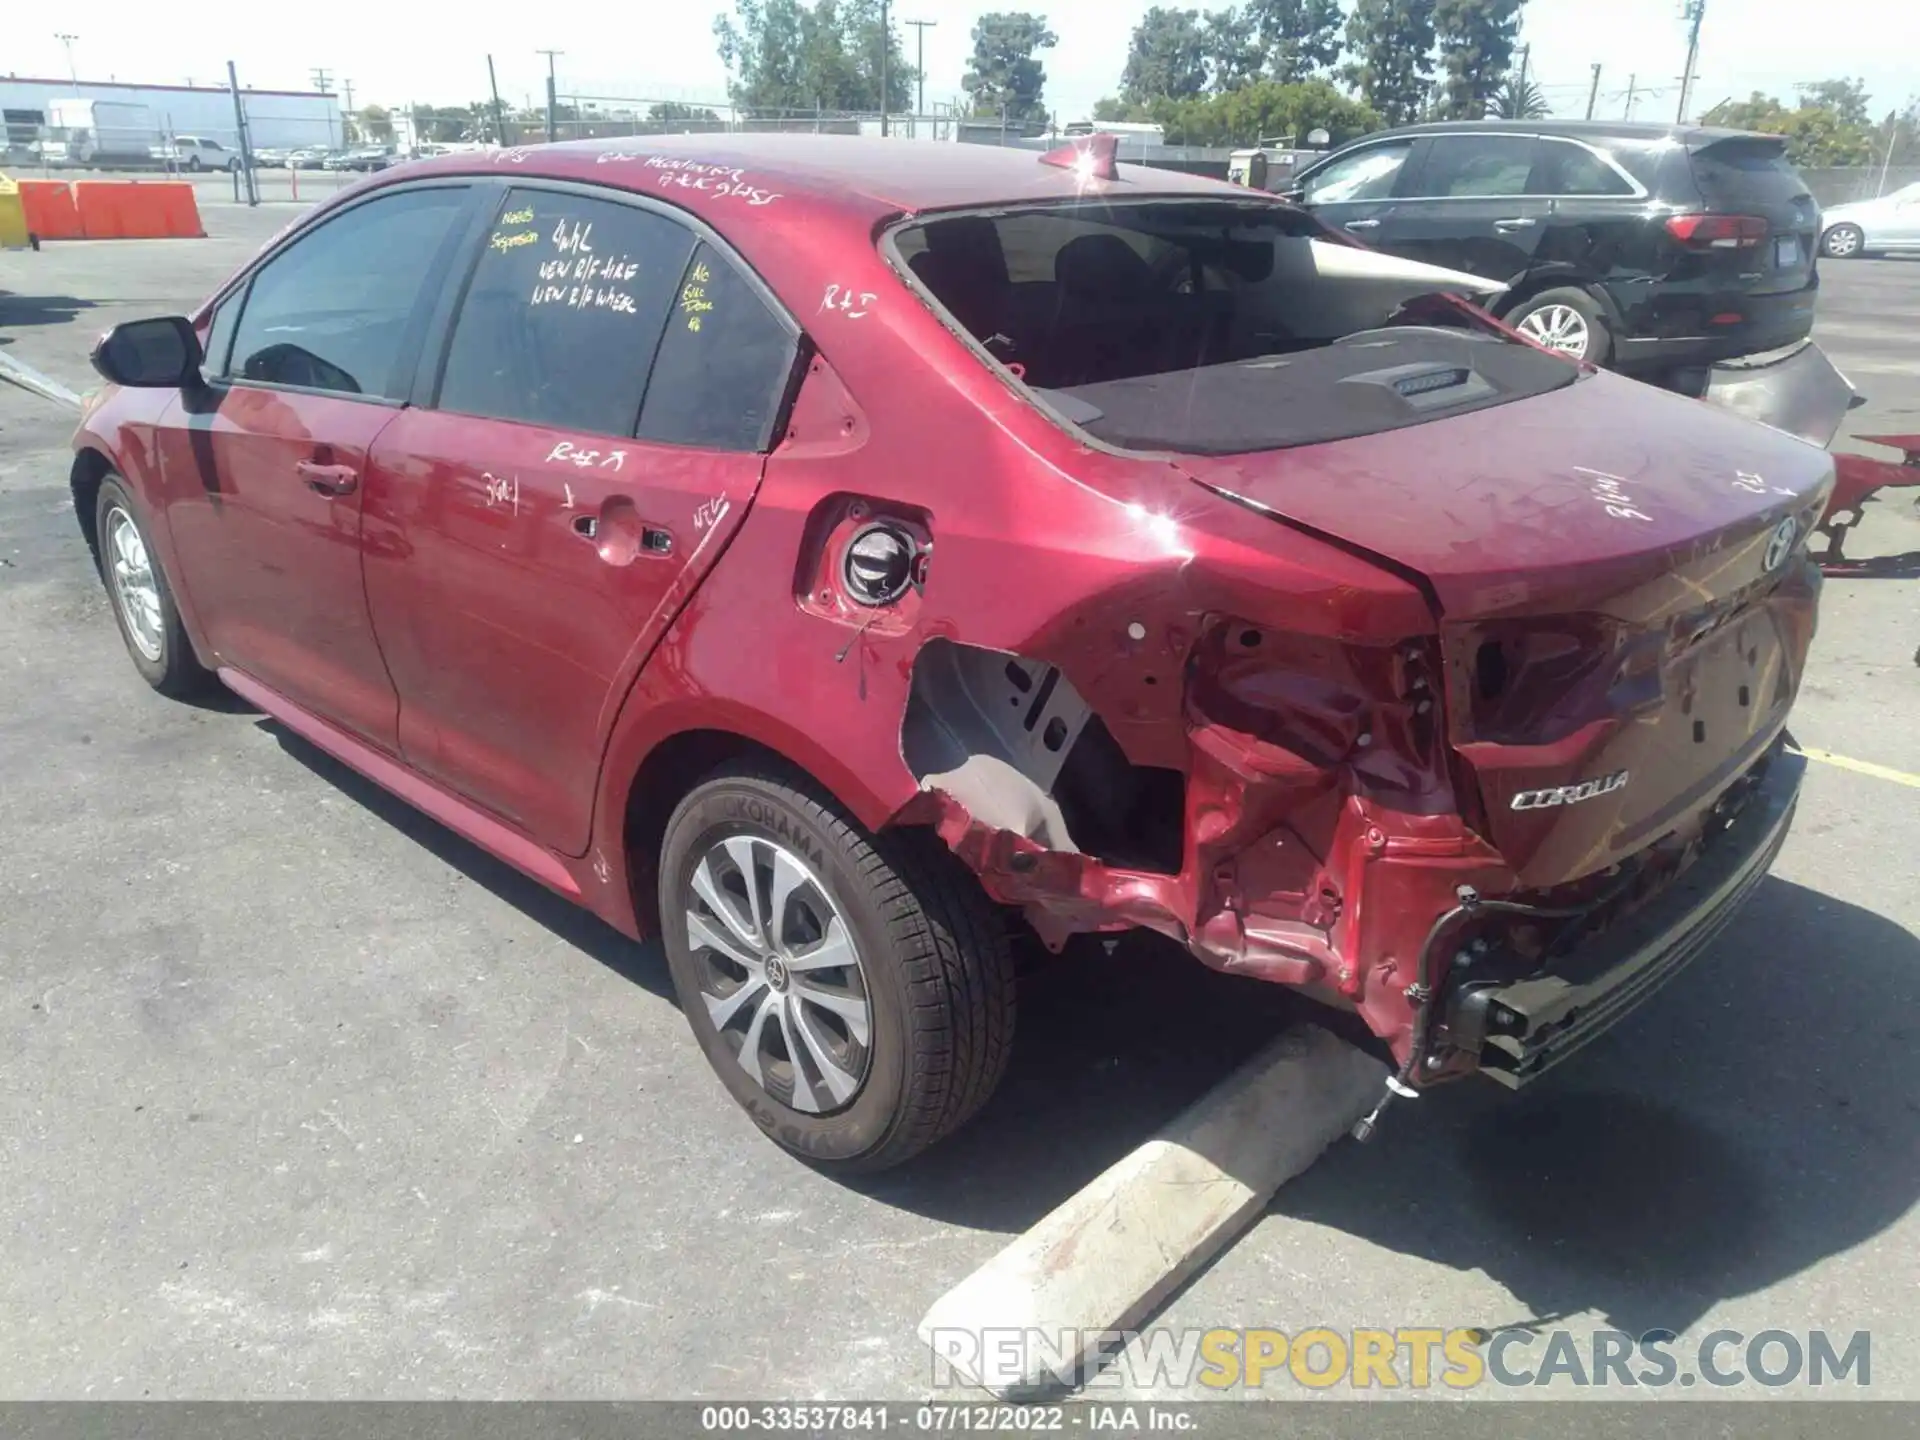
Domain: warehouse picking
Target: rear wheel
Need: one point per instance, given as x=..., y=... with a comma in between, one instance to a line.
x=1843, y=242
x=142, y=599
x=1565, y=321
x=855, y=994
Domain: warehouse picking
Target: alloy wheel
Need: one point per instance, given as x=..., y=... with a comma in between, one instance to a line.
x=1560, y=328
x=136, y=589
x=1843, y=241
x=780, y=974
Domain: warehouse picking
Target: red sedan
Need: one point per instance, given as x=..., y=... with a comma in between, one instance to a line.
x=824, y=552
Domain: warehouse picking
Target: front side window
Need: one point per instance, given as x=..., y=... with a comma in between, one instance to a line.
x=1366, y=176
x=330, y=311
x=564, y=312
x=1472, y=166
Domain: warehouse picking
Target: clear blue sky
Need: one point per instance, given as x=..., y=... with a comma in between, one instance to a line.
x=395, y=52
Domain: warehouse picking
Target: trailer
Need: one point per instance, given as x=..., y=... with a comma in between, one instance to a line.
x=102, y=134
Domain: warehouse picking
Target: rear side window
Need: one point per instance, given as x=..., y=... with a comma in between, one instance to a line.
x=1746, y=171
x=330, y=311
x=723, y=364
x=563, y=314
x=1564, y=168
x=1468, y=166
x=220, y=333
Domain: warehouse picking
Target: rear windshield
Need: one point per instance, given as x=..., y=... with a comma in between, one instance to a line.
x=1746, y=171
x=1218, y=327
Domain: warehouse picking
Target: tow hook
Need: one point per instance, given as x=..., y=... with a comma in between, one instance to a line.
x=1396, y=1089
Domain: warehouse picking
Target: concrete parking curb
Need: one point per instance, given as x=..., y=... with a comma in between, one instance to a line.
x=1107, y=1257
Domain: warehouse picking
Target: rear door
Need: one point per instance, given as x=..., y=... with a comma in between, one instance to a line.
x=1355, y=191
x=579, y=459
x=264, y=470
x=1468, y=205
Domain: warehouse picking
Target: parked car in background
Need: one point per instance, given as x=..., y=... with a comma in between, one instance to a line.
x=1889, y=225
x=1648, y=248
x=1112, y=548
x=309, y=157
x=197, y=153
x=272, y=158
x=361, y=157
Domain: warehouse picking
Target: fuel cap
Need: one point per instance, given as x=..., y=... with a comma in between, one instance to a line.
x=878, y=568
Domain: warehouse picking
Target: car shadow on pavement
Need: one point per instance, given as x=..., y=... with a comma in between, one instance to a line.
x=1108, y=1048
x=643, y=965
x=1755, y=1118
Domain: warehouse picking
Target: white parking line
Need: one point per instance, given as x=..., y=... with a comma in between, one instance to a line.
x=1859, y=767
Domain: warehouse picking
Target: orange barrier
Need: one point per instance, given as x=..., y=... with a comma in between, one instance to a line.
x=136, y=209
x=49, y=209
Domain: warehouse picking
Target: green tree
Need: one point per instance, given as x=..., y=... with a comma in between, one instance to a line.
x=377, y=124
x=1476, y=49
x=787, y=55
x=1846, y=99
x=1392, y=61
x=1297, y=38
x=1234, y=55
x=1113, y=108
x=671, y=112
x=1518, y=99
x=1264, y=110
x=1003, y=77
x=1167, y=58
x=1819, y=135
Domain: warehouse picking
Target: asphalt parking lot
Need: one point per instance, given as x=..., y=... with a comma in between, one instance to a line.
x=300, y=1096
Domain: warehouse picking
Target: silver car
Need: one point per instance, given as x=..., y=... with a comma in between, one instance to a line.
x=1888, y=225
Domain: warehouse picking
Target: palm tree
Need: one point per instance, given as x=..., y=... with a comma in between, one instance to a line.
x=1518, y=99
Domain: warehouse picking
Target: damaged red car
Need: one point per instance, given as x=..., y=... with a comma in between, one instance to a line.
x=818, y=552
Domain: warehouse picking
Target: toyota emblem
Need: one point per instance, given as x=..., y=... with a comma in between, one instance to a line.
x=1781, y=545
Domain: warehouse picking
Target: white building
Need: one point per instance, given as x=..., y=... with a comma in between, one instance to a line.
x=282, y=119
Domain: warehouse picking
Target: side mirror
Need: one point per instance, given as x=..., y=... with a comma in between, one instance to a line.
x=161, y=354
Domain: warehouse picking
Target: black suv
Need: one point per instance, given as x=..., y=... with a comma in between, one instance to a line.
x=1651, y=248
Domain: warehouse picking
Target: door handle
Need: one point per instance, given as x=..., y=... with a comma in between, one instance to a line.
x=1363, y=224
x=1524, y=222
x=328, y=479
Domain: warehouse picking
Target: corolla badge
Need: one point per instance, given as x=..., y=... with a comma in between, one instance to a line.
x=1570, y=794
x=1780, y=546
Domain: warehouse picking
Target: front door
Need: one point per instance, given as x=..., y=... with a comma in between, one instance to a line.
x=1355, y=192
x=264, y=470
x=598, y=433
x=1468, y=206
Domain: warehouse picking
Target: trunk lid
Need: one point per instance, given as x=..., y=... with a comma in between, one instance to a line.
x=1613, y=599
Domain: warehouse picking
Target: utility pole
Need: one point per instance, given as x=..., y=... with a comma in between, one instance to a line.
x=243, y=140
x=1633, y=84
x=886, y=47
x=323, y=82
x=1526, y=57
x=358, y=138
x=499, y=119
x=552, y=96
x=67, y=41
x=1694, y=11
x=920, y=66
x=1593, y=95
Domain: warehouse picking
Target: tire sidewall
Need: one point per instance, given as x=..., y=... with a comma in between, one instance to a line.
x=743, y=805
x=114, y=496
x=1599, y=338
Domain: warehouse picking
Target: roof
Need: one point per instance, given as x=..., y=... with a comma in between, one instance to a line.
x=1610, y=129
x=909, y=175
x=79, y=85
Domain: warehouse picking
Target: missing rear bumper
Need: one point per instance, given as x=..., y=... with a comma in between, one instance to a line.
x=1523, y=1029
